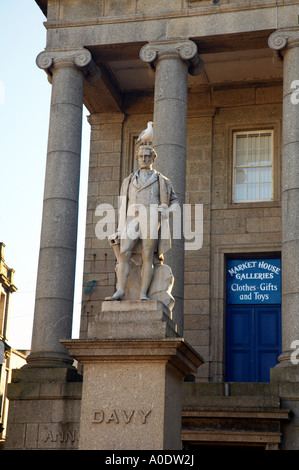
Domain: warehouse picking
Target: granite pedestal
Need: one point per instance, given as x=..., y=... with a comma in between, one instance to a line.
x=134, y=363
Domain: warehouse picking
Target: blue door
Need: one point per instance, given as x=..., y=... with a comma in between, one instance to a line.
x=253, y=319
x=253, y=342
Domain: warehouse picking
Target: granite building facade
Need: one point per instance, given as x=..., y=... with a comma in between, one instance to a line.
x=219, y=80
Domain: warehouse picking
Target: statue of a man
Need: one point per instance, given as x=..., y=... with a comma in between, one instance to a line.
x=150, y=189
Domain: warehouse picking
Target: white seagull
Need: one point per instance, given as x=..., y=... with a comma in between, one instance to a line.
x=147, y=134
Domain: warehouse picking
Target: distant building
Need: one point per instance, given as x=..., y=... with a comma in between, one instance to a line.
x=220, y=81
x=9, y=358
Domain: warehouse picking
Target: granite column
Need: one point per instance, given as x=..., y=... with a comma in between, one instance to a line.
x=286, y=44
x=172, y=60
x=56, y=269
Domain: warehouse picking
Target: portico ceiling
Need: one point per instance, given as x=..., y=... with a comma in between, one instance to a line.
x=220, y=68
x=229, y=59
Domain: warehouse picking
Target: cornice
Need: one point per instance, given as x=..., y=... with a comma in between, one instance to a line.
x=194, y=10
x=101, y=118
x=6, y=283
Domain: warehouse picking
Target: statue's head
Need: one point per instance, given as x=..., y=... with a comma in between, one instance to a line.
x=146, y=156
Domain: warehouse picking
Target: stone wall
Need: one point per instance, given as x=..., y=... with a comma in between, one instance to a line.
x=44, y=409
x=103, y=187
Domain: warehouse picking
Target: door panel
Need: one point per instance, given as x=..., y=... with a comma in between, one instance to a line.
x=239, y=339
x=253, y=342
x=241, y=326
x=267, y=340
x=241, y=366
x=268, y=325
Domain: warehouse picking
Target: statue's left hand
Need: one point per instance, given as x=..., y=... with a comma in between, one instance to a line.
x=163, y=209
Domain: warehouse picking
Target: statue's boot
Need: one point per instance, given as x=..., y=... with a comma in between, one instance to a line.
x=123, y=272
x=144, y=297
x=119, y=295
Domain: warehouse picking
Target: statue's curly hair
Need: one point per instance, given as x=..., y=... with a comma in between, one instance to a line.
x=153, y=152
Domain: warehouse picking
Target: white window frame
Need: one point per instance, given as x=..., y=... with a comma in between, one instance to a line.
x=258, y=131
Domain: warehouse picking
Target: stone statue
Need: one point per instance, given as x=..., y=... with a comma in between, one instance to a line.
x=143, y=235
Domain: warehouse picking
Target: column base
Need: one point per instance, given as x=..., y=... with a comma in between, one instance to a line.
x=285, y=370
x=49, y=359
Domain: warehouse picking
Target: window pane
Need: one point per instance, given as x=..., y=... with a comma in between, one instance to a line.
x=241, y=176
x=265, y=141
x=253, y=175
x=240, y=193
x=265, y=157
x=253, y=141
x=253, y=157
x=266, y=149
x=253, y=149
x=253, y=191
x=265, y=191
x=251, y=138
x=265, y=174
x=241, y=150
x=241, y=158
x=241, y=142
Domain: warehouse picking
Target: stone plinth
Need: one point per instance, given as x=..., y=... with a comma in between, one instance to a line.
x=134, y=364
x=146, y=319
x=132, y=392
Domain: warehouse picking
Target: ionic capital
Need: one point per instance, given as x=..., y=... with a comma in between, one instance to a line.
x=185, y=50
x=81, y=58
x=282, y=38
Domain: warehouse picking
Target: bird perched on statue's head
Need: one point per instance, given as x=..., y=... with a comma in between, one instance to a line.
x=147, y=134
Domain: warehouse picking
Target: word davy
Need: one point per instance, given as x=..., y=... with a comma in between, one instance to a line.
x=159, y=459
x=118, y=416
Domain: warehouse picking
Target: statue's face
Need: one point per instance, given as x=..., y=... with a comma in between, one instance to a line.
x=145, y=159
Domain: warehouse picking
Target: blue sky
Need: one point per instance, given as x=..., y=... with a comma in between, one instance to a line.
x=24, y=116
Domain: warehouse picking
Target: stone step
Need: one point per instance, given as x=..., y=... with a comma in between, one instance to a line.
x=233, y=389
x=232, y=403
x=239, y=396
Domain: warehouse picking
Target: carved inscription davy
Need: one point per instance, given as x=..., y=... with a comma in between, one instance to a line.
x=121, y=416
